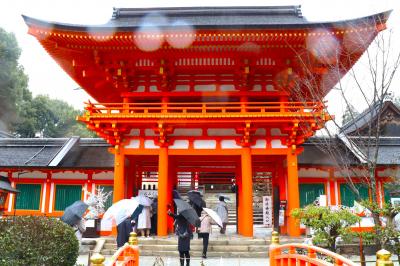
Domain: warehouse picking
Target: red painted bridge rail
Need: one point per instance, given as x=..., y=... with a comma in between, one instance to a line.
x=127, y=255
x=302, y=254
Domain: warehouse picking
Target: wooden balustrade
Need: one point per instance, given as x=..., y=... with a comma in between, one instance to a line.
x=296, y=108
x=302, y=254
x=127, y=255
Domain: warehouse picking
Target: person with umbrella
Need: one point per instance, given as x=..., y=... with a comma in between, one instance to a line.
x=121, y=213
x=208, y=217
x=196, y=201
x=73, y=216
x=222, y=211
x=186, y=216
x=205, y=230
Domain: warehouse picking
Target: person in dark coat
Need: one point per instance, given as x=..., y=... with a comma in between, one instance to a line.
x=182, y=229
x=154, y=206
x=123, y=231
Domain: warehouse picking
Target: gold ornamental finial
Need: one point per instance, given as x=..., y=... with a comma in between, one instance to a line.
x=97, y=260
x=133, y=239
x=275, y=238
x=383, y=258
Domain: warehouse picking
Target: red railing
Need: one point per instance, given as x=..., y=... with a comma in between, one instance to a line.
x=302, y=254
x=128, y=254
x=298, y=108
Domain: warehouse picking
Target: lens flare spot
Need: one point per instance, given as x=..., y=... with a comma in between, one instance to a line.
x=180, y=34
x=149, y=36
x=357, y=41
x=323, y=46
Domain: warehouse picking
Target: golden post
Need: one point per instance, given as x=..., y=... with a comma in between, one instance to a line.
x=383, y=258
x=97, y=260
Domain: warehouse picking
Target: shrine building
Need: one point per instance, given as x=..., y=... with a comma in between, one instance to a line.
x=217, y=94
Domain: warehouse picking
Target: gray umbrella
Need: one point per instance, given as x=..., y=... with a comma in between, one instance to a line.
x=5, y=185
x=74, y=212
x=187, y=212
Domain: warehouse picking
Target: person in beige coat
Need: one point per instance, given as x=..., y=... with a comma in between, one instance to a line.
x=205, y=230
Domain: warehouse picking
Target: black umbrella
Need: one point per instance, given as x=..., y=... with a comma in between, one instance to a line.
x=74, y=212
x=188, y=212
x=176, y=195
x=5, y=185
x=196, y=199
x=195, y=192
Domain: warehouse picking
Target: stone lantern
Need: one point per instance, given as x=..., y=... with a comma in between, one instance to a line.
x=5, y=189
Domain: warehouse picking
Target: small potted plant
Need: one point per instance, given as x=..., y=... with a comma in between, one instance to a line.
x=96, y=202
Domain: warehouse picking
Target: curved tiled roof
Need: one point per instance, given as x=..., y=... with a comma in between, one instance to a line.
x=239, y=17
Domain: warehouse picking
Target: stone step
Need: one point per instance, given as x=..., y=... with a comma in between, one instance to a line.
x=195, y=241
x=196, y=251
x=210, y=254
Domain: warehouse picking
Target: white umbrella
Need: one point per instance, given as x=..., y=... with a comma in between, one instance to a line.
x=120, y=210
x=143, y=200
x=213, y=216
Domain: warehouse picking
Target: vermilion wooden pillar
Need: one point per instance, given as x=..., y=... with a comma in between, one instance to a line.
x=293, y=193
x=162, y=225
x=171, y=184
x=119, y=175
x=239, y=201
x=246, y=210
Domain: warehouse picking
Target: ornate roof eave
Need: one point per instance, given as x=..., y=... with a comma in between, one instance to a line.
x=112, y=26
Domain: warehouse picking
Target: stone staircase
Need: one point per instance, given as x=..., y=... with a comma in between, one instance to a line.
x=225, y=247
x=212, y=200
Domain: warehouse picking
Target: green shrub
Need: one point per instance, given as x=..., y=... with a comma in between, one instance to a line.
x=327, y=224
x=34, y=240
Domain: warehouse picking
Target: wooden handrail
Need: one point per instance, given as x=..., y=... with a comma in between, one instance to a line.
x=206, y=108
x=128, y=254
x=288, y=254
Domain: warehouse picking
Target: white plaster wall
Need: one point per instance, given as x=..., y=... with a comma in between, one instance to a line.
x=277, y=132
x=133, y=144
x=354, y=173
x=153, y=89
x=312, y=172
x=229, y=144
x=257, y=87
x=29, y=174
x=182, y=88
x=149, y=144
x=227, y=87
x=260, y=144
x=392, y=172
x=187, y=132
x=260, y=132
x=140, y=89
x=180, y=144
x=205, y=88
x=106, y=175
x=277, y=144
x=4, y=174
x=149, y=132
x=270, y=87
x=134, y=132
x=222, y=132
x=69, y=175
x=205, y=144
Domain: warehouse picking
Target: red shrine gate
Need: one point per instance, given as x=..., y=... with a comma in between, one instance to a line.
x=222, y=84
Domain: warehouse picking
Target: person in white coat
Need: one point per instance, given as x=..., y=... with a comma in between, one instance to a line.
x=144, y=221
x=222, y=211
x=205, y=231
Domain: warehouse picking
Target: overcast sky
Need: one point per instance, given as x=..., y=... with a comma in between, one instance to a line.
x=46, y=77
